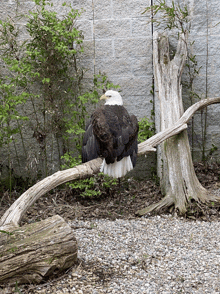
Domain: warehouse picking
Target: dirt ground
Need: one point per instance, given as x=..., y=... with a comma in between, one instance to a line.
x=118, y=201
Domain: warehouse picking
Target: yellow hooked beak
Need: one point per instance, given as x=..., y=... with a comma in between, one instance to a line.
x=103, y=97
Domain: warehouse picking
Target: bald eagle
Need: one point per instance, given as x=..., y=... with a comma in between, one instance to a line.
x=111, y=134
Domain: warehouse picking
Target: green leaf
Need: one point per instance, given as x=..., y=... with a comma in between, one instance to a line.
x=5, y=232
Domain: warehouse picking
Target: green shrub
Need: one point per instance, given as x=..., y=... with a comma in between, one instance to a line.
x=45, y=71
x=94, y=187
x=146, y=129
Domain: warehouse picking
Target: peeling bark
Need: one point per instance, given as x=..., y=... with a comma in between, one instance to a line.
x=36, y=250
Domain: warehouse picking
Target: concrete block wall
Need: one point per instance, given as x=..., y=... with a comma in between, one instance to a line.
x=119, y=39
x=118, y=42
x=205, y=33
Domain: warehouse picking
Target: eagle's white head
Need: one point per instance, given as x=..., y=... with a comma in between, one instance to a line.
x=112, y=98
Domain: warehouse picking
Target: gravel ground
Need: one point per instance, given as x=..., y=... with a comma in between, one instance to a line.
x=160, y=254
x=154, y=255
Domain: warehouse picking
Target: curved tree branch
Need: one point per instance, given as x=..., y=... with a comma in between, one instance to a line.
x=13, y=215
x=179, y=126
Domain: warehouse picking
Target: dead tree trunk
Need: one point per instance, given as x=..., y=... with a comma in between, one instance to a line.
x=178, y=179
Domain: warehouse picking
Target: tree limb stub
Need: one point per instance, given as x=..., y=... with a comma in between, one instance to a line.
x=13, y=215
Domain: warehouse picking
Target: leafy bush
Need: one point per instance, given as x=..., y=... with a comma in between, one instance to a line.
x=94, y=187
x=8, y=111
x=45, y=72
x=146, y=129
x=172, y=16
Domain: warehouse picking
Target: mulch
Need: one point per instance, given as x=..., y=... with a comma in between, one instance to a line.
x=118, y=201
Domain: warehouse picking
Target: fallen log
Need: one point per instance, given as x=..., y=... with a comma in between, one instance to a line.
x=34, y=251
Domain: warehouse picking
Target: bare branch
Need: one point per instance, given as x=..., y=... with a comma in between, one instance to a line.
x=178, y=127
x=14, y=214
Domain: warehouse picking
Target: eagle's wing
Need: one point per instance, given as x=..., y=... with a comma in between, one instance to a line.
x=111, y=133
x=129, y=137
x=123, y=133
x=132, y=146
x=102, y=131
x=97, y=139
x=90, y=147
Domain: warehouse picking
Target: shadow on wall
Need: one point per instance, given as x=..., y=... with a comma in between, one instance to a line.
x=146, y=164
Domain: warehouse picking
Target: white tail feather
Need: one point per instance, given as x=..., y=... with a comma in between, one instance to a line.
x=117, y=169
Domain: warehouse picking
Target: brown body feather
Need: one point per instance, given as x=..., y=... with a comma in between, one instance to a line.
x=111, y=134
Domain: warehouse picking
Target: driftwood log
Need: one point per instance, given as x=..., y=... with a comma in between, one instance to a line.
x=31, y=252
x=34, y=251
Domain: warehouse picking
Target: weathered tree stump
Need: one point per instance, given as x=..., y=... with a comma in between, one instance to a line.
x=36, y=250
x=178, y=180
